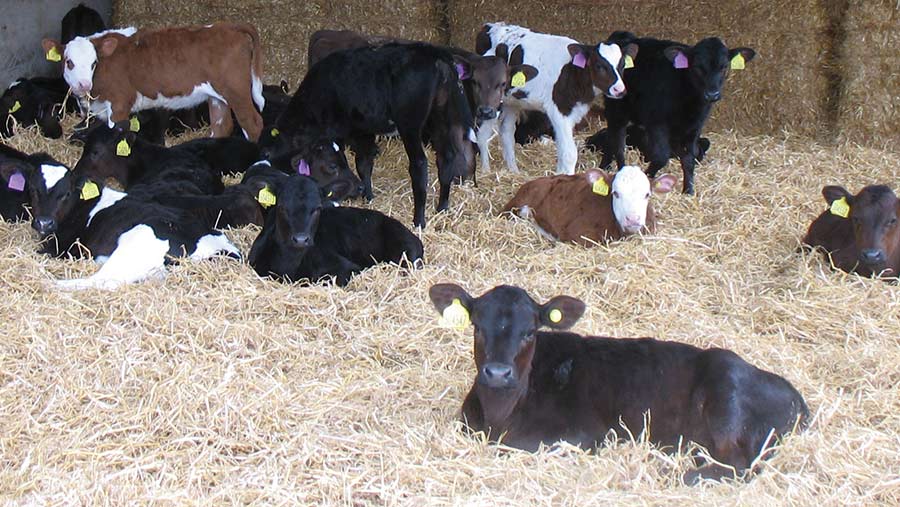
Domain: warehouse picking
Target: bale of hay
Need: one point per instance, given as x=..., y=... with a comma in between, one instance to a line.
x=285, y=25
x=870, y=81
x=785, y=87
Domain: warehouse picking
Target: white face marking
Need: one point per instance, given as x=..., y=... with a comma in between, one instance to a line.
x=213, y=244
x=613, y=54
x=631, y=194
x=81, y=53
x=335, y=146
x=107, y=198
x=52, y=174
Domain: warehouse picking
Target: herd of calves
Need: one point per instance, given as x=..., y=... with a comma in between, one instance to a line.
x=532, y=387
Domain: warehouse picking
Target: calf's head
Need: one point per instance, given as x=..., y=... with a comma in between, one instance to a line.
x=80, y=58
x=630, y=190
x=296, y=209
x=23, y=102
x=52, y=190
x=488, y=78
x=606, y=62
x=106, y=153
x=324, y=161
x=506, y=321
x=707, y=64
x=873, y=214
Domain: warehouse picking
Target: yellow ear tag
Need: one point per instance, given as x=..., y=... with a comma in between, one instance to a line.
x=555, y=316
x=737, y=63
x=53, y=55
x=629, y=62
x=518, y=79
x=840, y=207
x=89, y=190
x=15, y=107
x=134, y=124
x=601, y=187
x=274, y=132
x=455, y=316
x=122, y=149
x=266, y=198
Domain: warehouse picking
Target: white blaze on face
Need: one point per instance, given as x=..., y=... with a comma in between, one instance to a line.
x=78, y=65
x=52, y=174
x=631, y=194
x=335, y=146
x=612, y=53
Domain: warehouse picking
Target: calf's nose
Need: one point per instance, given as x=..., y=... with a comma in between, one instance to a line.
x=871, y=256
x=486, y=112
x=44, y=225
x=713, y=96
x=301, y=239
x=497, y=374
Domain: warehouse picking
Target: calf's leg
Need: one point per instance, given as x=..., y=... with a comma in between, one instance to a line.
x=508, y=138
x=418, y=174
x=365, y=150
x=220, y=121
x=658, y=149
x=566, y=149
x=483, y=138
x=138, y=255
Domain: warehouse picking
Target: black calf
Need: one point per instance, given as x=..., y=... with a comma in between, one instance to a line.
x=80, y=21
x=303, y=239
x=671, y=90
x=35, y=101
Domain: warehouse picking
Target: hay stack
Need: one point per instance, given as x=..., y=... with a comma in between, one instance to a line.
x=869, y=109
x=784, y=88
x=285, y=25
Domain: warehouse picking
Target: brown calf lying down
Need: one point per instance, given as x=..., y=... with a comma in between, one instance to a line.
x=859, y=232
x=536, y=387
x=173, y=68
x=591, y=207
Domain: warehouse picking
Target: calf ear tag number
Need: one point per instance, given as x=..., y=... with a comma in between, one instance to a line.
x=455, y=316
x=840, y=207
x=266, y=198
x=89, y=190
x=600, y=187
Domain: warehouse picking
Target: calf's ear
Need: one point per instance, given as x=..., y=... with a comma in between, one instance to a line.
x=630, y=49
x=502, y=51
x=108, y=46
x=561, y=312
x=672, y=53
x=663, y=184
x=747, y=53
x=10, y=166
x=580, y=54
x=463, y=67
x=832, y=193
x=336, y=190
x=527, y=71
x=49, y=46
x=444, y=294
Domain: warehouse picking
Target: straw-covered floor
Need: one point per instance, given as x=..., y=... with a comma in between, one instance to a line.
x=214, y=386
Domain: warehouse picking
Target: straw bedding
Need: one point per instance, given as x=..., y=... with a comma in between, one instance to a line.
x=214, y=386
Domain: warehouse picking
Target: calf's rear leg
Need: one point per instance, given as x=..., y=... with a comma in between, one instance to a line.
x=138, y=255
x=658, y=150
x=418, y=174
x=220, y=121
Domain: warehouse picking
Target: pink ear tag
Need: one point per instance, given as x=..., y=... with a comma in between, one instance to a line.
x=579, y=60
x=303, y=168
x=681, y=61
x=16, y=182
x=461, y=70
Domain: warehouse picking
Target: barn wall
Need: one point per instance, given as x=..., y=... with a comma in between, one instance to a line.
x=24, y=24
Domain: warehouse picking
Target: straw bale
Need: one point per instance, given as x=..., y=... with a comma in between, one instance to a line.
x=285, y=25
x=784, y=88
x=214, y=386
x=870, y=66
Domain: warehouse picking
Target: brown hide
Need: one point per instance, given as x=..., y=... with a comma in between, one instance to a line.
x=172, y=61
x=567, y=208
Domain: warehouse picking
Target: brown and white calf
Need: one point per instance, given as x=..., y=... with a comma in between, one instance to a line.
x=591, y=207
x=173, y=68
x=570, y=75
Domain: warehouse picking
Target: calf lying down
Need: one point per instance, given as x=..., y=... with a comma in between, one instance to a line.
x=537, y=387
x=130, y=235
x=302, y=239
x=859, y=232
x=591, y=207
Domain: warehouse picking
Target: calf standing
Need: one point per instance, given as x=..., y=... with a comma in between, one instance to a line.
x=570, y=76
x=354, y=95
x=304, y=239
x=80, y=21
x=535, y=387
x=672, y=88
x=591, y=207
x=173, y=68
x=859, y=232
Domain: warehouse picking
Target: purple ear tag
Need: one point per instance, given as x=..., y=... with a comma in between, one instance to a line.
x=303, y=168
x=461, y=70
x=579, y=60
x=16, y=182
x=681, y=61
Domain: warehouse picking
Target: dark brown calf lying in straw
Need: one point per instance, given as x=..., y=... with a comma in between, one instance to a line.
x=536, y=387
x=859, y=232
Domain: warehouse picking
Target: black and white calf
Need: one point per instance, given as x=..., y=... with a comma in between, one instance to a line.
x=354, y=95
x=570, y=75
x=132, y=238
x=305, y=239
x=15, y=192
x=672, y=88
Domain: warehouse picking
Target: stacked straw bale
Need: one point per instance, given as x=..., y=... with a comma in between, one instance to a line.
x=869, y=110
x=785, y=87
x=285, y=25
